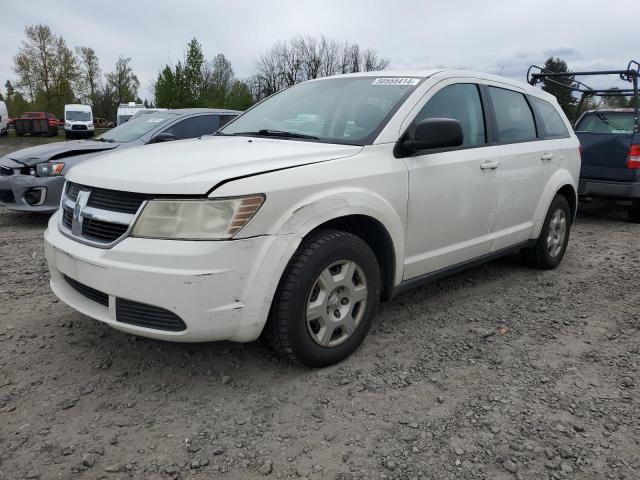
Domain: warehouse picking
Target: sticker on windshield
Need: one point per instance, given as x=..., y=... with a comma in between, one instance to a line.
x=396, y=81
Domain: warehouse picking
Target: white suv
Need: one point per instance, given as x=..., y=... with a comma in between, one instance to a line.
x=301, y=214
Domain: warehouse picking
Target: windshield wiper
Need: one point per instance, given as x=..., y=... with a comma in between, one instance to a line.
x=277, y=133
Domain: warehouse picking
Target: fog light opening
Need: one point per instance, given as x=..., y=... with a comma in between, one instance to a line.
x=34, y=196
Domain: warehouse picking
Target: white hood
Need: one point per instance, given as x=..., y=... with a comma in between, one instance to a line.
x=193, y=167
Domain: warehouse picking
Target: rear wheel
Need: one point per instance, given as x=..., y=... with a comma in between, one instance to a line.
x=549, y=249
x=326, y=300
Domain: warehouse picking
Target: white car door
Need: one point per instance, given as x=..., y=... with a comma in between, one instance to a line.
x=453, y=193
x=522, y=160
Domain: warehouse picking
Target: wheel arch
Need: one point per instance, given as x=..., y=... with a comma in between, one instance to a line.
x=376, y=236
x=563, y=183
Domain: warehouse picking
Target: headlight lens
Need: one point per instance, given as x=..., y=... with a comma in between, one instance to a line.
x=49, y=169
x=210, y=219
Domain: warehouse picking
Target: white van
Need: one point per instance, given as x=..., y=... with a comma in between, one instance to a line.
x=127, y=110
x=4, y=119
x=78, y=121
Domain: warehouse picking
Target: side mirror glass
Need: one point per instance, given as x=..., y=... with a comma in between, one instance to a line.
x=163, y=137
x=432, y=133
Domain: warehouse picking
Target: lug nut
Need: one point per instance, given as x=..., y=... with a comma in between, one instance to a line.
x=344, y=300
x=337, y=313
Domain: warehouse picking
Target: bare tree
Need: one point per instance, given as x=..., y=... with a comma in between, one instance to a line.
x=123, y=82
x=306, y=57
x=90, y=73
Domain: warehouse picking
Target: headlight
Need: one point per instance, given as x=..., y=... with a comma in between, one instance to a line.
x=67, y=125
x=49, y=169
x=207, y=219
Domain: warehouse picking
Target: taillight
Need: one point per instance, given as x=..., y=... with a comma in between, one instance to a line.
x=633, y=161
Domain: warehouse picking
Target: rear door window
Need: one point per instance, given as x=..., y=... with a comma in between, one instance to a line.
x=552, y=123
x=194, y=127
x=606, y=122
x=514, y=118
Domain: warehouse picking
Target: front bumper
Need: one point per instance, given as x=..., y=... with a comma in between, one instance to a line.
x=14, y=189
x=221, y=290
x=609, y=189
x=70, y=133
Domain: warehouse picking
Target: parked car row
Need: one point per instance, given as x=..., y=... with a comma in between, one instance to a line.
x=78, y=120
x=297, y=217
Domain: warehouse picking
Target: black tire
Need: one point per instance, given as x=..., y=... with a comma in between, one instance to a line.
x=539, y=256
x=633, y=212
x=286, y=330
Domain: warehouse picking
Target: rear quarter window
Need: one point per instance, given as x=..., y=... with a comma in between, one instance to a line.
x=553, y=125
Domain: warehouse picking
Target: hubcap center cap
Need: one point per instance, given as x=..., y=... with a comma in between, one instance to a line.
x=334, y=300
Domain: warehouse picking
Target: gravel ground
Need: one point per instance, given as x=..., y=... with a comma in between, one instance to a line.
x=500, y=372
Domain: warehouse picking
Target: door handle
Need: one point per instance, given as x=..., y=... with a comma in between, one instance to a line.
x=546, y=156
x=489, y=165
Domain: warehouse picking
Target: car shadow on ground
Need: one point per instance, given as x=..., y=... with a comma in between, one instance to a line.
x=602, y=210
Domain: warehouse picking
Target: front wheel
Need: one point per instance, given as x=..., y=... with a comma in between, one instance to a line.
x=326, y=300
x=550, y=246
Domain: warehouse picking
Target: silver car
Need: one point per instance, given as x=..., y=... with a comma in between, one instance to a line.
x=32, y=179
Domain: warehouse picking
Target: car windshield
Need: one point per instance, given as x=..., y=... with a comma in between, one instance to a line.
x=606, y=122
x=76, y=116
x=349, y=110
x=136, y=128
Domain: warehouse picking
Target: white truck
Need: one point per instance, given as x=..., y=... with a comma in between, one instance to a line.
x=299, y=216
x=78, y=121
x=126, y=111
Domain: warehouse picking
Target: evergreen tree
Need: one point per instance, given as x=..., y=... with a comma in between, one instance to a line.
x=565, y=97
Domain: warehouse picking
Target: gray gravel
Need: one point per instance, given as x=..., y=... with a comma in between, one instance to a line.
x=501, y=372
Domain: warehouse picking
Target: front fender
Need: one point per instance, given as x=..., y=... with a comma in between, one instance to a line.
x=558, y=180
x=315, y=210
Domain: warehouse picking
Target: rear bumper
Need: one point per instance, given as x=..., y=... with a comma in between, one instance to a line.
x=14, y=189
x=609, y=189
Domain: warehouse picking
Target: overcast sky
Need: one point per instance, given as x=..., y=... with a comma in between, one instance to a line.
x=493, y=36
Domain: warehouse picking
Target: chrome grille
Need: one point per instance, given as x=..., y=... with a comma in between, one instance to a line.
x=102, y=231
x=72, y=191
x=124, y=202
x=98, y=216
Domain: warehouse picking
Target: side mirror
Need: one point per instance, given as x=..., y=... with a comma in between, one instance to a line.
x=163, y=137
x=432, y=133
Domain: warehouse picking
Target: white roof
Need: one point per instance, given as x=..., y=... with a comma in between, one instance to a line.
x=77, y=106
x=451, y=73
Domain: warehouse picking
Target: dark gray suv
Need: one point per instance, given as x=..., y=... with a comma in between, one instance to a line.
x=32, y=179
